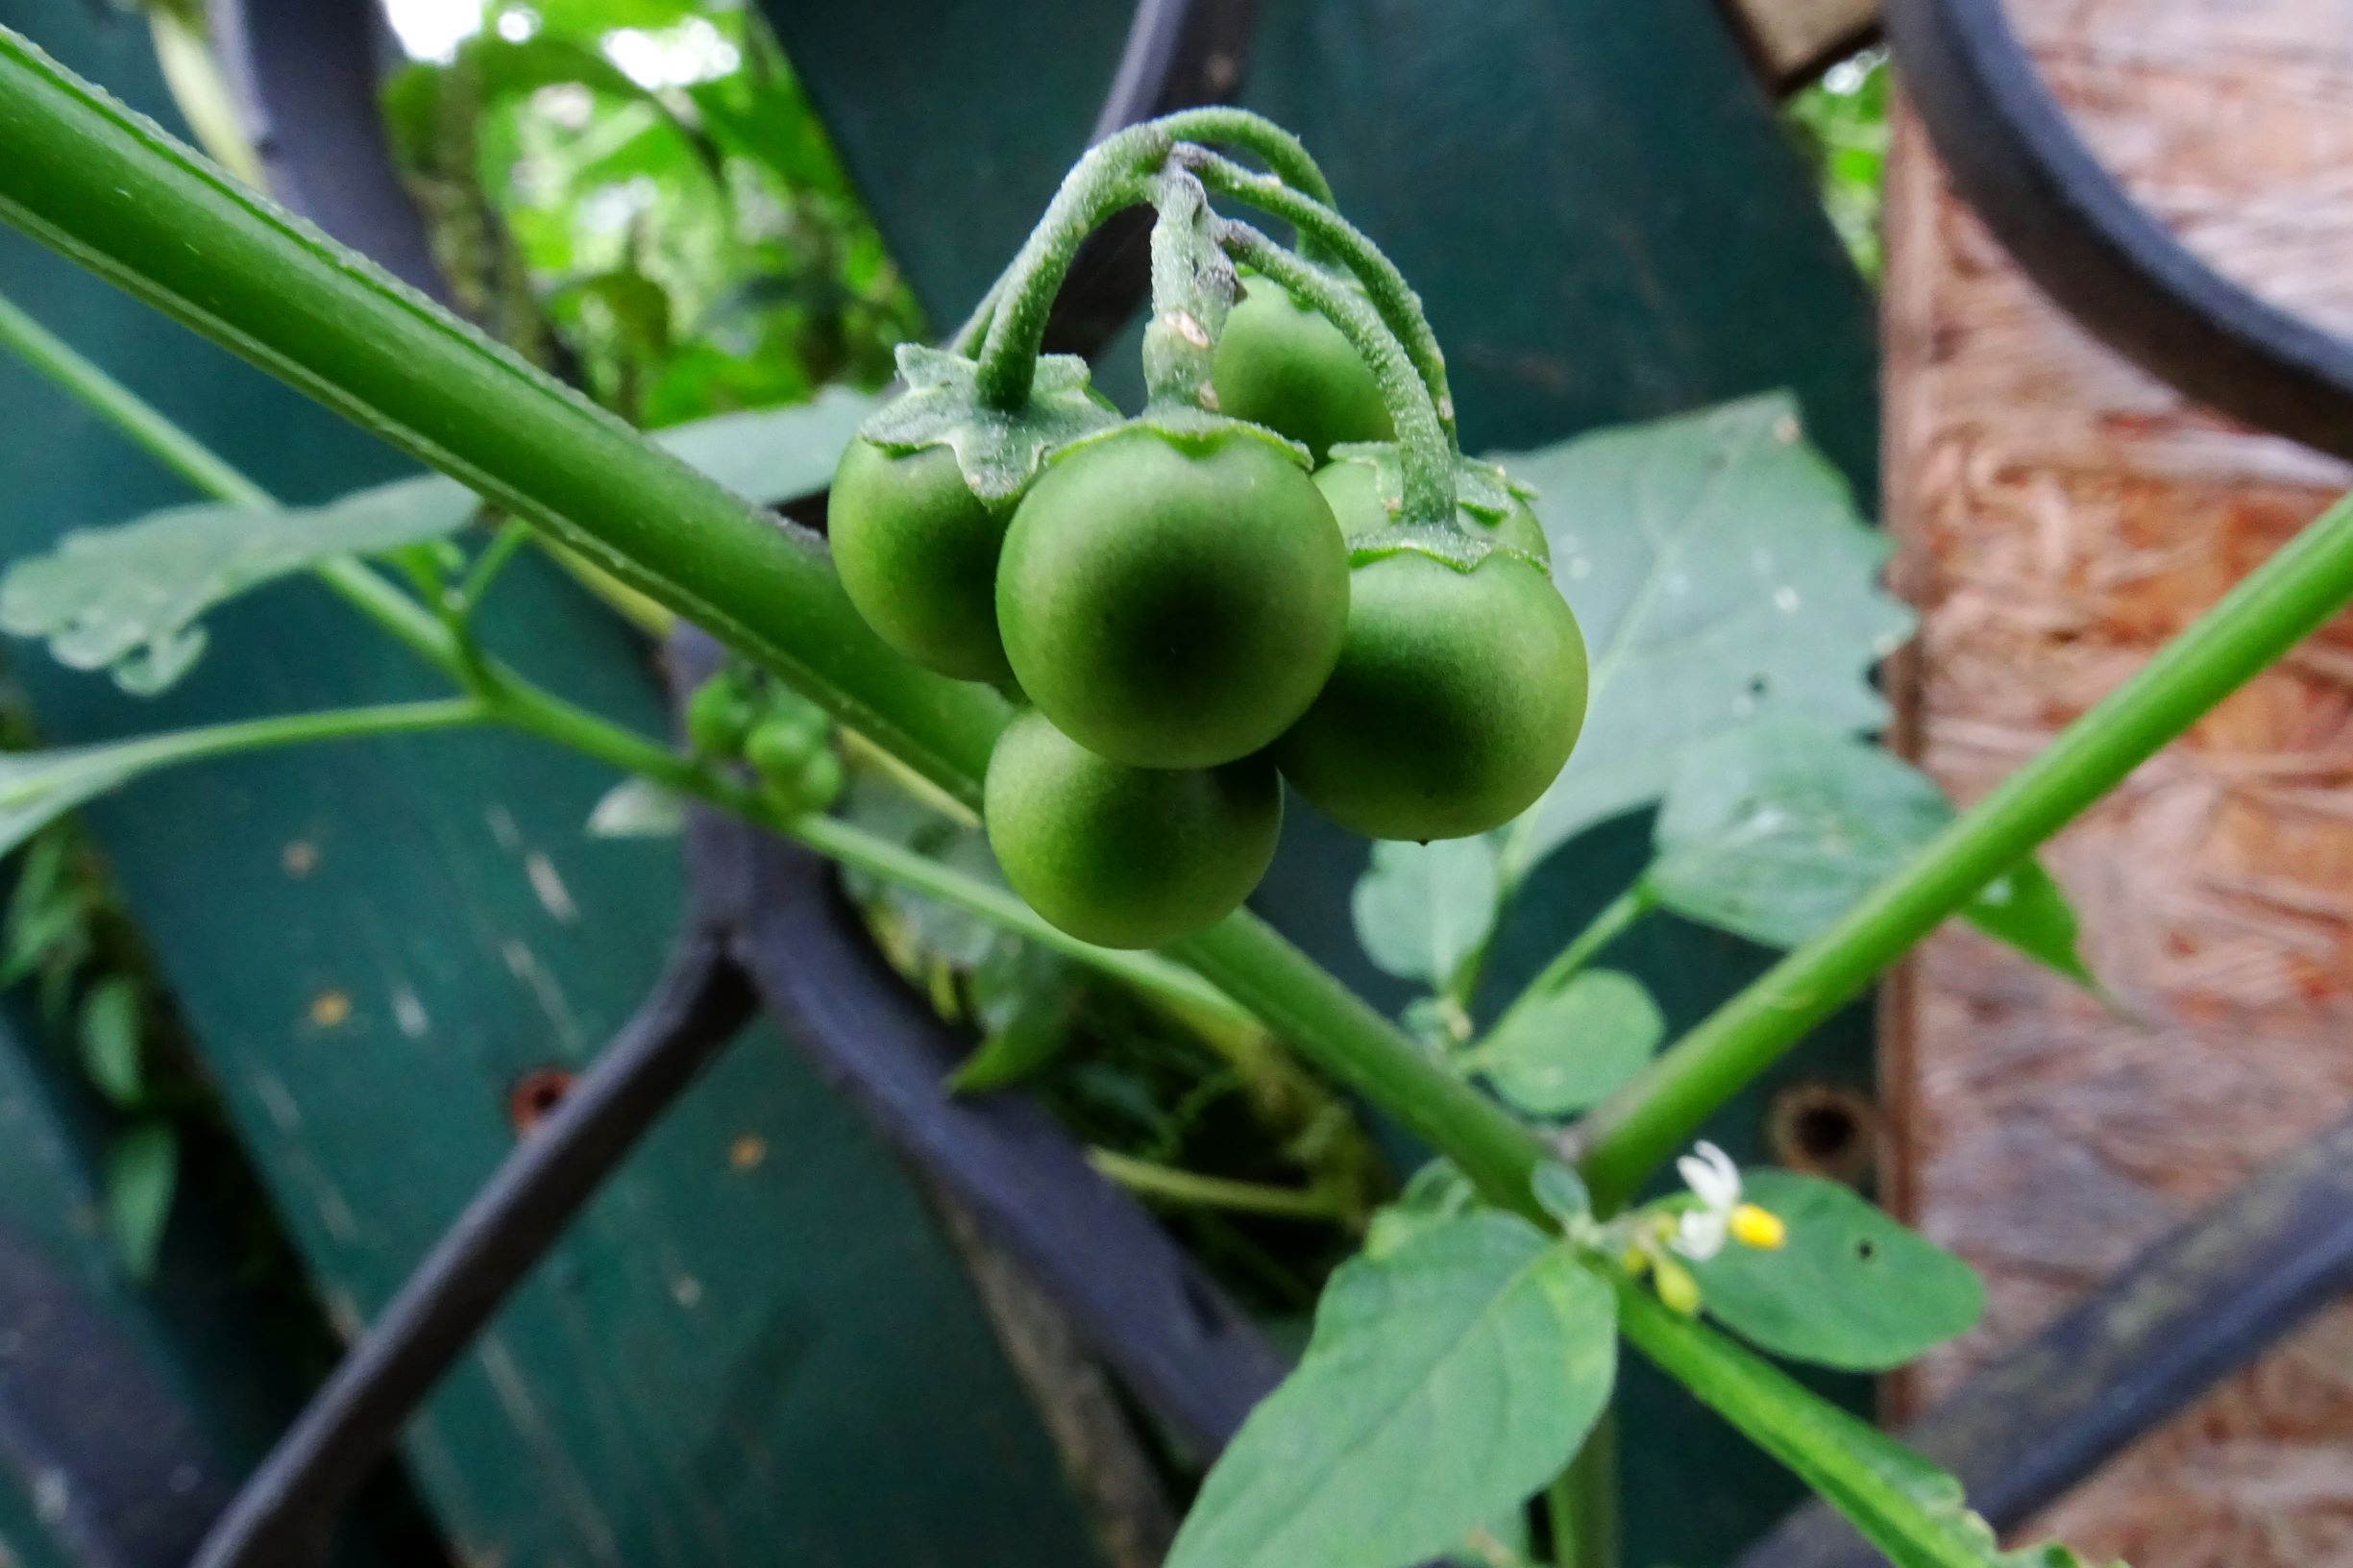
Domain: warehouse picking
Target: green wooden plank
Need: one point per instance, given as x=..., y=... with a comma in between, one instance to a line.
x=755, y=1348
x=1607, y=225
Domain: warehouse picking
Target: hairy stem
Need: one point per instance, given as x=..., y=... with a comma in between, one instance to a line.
x=223, y=260
x=1323, y=231
x=1113, y=174
x=2309, y=579
x=1424, y=450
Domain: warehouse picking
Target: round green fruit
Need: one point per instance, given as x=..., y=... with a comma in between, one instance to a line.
x=722, y=713
x=780, y=745
x=1126, y=857
x=1173, y=601
x=916, y=552
x=1352, y=491
x=1284, y=365
x=1457, y=700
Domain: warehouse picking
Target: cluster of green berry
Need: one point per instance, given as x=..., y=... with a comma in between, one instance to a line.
x=783, y=738
x=1196, y=604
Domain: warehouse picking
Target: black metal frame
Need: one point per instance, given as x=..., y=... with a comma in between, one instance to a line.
x=770, y=929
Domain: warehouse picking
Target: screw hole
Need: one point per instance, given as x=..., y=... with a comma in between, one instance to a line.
x=1824, y=1129
x=535, y=1096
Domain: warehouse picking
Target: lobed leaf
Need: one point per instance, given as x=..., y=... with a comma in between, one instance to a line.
x=1445, y=1384
x=1775, y=830
x=128, y=599
x=1851, y=1288
x=1722, y=576
x=1564, y=1050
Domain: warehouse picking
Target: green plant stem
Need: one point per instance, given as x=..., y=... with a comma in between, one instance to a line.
x=510, y=538
x=1424, y=451
x=511, y=700
x=2309, y=579
x=1818, y=1442
x=181, y=745
x=516, y=702
x=1114, y=174
x=1333, y=236
x=1582, y=1504
x=1600, y=932
x=171, y=445
x=1172, y=1185
x=114, y=194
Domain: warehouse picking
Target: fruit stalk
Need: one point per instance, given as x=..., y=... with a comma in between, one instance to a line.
x=1425, y=450
x=1322, y=231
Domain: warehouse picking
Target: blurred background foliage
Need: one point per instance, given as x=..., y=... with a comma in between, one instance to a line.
x=638, y=193
x=1841, y=121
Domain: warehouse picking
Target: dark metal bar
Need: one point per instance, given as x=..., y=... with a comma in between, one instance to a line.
x=2096, y=250
x=1138, y=1300
x=284, y=1513
x=2198, y=1305
x=114, y=1461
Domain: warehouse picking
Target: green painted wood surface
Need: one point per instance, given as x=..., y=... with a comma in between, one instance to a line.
x=1605, y=223
x=755, y=1348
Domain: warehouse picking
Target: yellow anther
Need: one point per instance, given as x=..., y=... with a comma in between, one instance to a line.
x=1676, y=1287
x=1634, y=1259
x=1758, y=1228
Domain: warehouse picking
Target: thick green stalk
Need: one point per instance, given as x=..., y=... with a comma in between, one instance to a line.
x=1582, y=1504
x=1333, y=235
x=2308, y=580
x=117, y=195
x=1300, y=1001
x=1424, y=450
x=113, y=192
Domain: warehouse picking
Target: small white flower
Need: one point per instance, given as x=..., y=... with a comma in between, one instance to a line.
x=1715, y=1181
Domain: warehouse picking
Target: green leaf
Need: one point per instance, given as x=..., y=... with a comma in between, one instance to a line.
x=1444, y=1384
x=1907, y=1507
x=1563, y=1051
x=1722, y=576
x=1850, y=1288
x=1561, y=1192
x=999, y=452
x=638, y=808
x=1433, y=1196
x=127, y=599
x=1025, y=999
x=1421, y=908
x=142, y=1169
x=1775, y=830
x=775, y=455
x=110, y=1037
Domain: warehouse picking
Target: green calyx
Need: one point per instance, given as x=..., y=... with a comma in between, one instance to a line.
x=1364, y=483
x=998, y=451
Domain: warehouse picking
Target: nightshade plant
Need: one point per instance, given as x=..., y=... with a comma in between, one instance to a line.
x=1460, y=1366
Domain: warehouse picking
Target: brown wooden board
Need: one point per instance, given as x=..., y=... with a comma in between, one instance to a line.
x=2060, y=515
